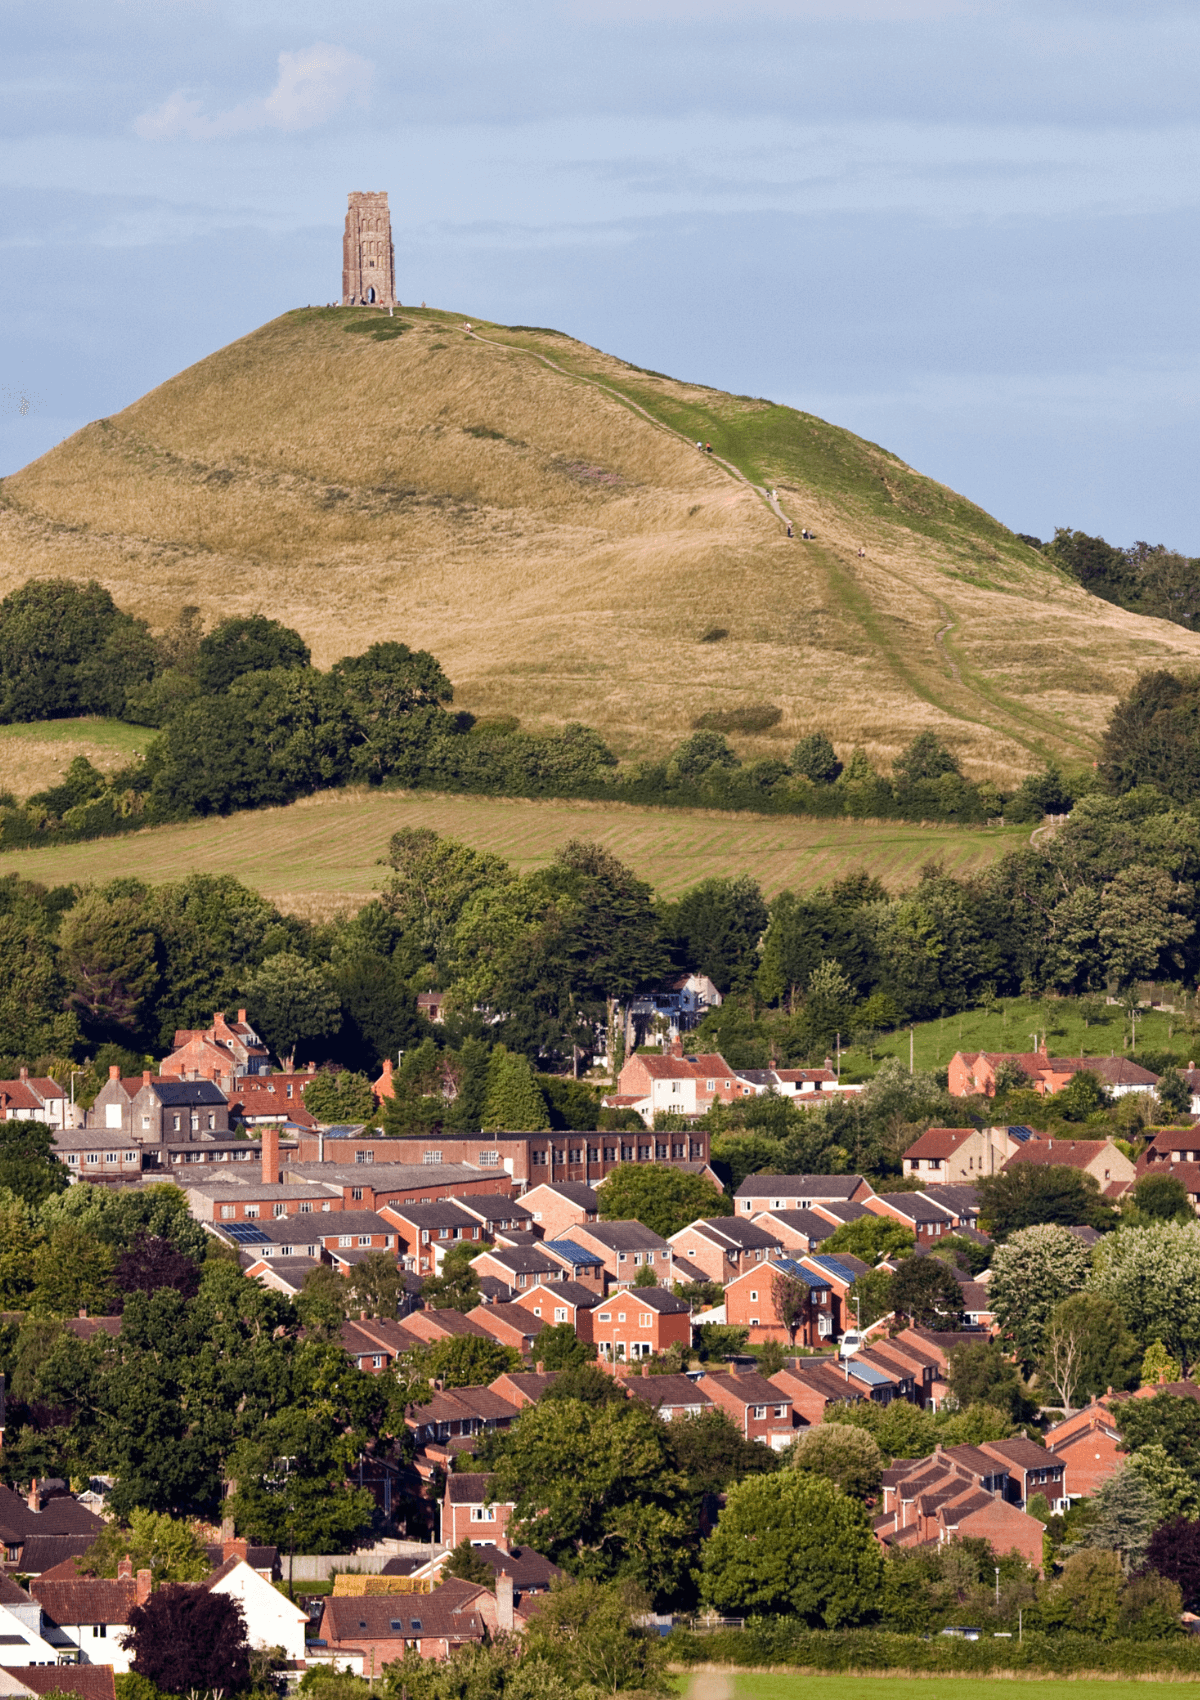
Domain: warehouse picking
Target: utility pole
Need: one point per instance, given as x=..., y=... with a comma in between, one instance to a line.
x=996, y=1567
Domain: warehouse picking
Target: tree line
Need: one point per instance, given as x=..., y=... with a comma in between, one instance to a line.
x=244, y=720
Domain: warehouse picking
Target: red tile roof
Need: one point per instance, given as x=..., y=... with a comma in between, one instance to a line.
x=939, y=1142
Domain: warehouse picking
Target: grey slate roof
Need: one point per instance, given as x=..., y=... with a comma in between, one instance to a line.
x=185, y=1092
x=798, y=1186
x=621, y=1236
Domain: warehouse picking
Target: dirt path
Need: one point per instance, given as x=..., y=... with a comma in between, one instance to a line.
x=711, y=1685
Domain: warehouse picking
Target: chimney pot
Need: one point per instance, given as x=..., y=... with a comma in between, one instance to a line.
x=35, y=1498
x=24, y=1073
x=504, y=1602
x=83, y=1313
x=125, y=1569
x=646, y=1369
x=145, y=1581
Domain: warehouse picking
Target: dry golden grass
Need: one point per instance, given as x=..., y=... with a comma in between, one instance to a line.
x=565, y=565
x=34, y=758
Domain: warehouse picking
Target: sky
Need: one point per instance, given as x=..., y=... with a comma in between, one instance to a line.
x=965, y=229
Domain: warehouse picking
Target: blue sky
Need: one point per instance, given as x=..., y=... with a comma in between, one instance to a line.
x=967, y=229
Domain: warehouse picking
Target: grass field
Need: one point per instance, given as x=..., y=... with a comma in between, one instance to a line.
x=34, y=757
x=563, y=553
x=1011, y=1026
x=323, y=853
x=787, y=1685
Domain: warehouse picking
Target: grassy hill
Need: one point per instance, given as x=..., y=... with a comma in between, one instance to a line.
x=323, y=854
x=537, y=514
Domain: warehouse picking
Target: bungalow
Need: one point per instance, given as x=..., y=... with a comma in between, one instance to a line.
x=718, y=1248
x=638, y=1322
x=104, y=1159
x=752, y=1301
x=758, y=1193
x=760, y=1409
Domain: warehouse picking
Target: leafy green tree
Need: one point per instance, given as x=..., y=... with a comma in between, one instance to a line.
x=1029, y=1194
x=981, y=1374
x=33, y=1022
x=746, y=1154
x=514, y=1100
x=902, y=1430
x=431, y=882
x=290, y=999
x=20, y=1236
x=793, y=1544
x=828, y=1006
x=1162, y=1198
x=715, y=927
x=925, y=1290
x=67, y=649
x=1165, y=1420
x=1173, y=1093
x=29, y=1169
x=322, y=1302
x=558, y=1347
x=457, y=1287
x=247, y=644
x=663, y=1199
x=1032, y=1273
x=376, y=1285
x=617, y=1512
x=925, y=758
x=340, y=1097
x=166, y=1546
x=813, y=758
x=465, y=1563
x=587, y=1383
x=645, y=1277
x=1087, y=1595
x=1088, y=1349
x=710, y=1452
x=1177, y=1493
x=1158, y=1366
x=464, y=1360
x=870, y=1238
x=870, y=1297
x=396, y=696
x=71, y=1272
x=572, y=1103
x=1127, y=1513
x=1153, y=1275
x=698, y=756
x=108, y=952
x=844, y=1455
x=589, y=1635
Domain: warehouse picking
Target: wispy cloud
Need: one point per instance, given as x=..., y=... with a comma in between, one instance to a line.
x=314, y=83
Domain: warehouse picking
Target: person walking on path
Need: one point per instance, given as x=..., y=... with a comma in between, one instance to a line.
x=789, y=528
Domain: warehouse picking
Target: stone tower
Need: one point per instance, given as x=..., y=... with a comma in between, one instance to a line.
x=368, y=263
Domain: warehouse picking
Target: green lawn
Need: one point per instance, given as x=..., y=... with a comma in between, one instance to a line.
x=1011, y=1026
x=747, y=1685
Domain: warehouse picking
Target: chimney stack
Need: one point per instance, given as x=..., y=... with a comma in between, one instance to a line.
x=234, y=1549
x=125, y=1569
x=270, y=1155
x=35, y=1498
x=145, y=1581
x=645, y=1369
x=504, y=1602
x=114, y=1072
x=242, y=1016
x=145, y=1077
x=24, y=1073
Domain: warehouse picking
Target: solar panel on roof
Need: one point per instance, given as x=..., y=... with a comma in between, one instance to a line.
x=836, y=1267
x=245, y=1233
x=867, y=1372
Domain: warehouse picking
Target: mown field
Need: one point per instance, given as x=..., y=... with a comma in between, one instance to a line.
x=797, y=1685
x=35, y=757
x=323, y=853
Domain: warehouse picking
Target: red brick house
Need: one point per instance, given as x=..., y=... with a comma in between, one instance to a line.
x=467, y=1514
x=366, y=1632
x=813, y=1385
x=956, y=1491
x=434, y=1325
x=758, y=1193
x=221, y=1052
x=670, y=1395
x=558, y=1206
x=519, y=1266
x=761, y=1409
x=841, y=1270
x=1087, y=1445
x=376, y=1343
x=750, y=1302
x=927, y=1219
x=510, y=1324
x=1031, y=1469
x=561, y=1301
x=797, y=1231
x=523, y=1387
x=624, y=1248
x=719, y=1248
x=425, y=1232
x=636, y=1322
x=973, y=1072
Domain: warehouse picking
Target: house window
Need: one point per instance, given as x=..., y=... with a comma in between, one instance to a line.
x=488, y=1159
x=178, y=1124
x=145, y=1120
x=691, y=1252
x=560, y=1313
x=306, y=1208
x=111, y=1156
x=356, y=1193
x=781, y=1410
x=345, y=1239
x=73, y=1157
x=377, y=1361
x=605, y=1316
x=364, y=1156
x=759, y=1413
x=212, y=1122
x=645, y=1322
x=364, y=1239
x=620, y=1316
x=100, y=1631
x=251, y=1210
x=279, y=1210
x=754, y=1298
x=483, y=1514
x=432, y=1157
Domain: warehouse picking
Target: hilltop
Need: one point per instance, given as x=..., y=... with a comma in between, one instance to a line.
x=537, y=514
